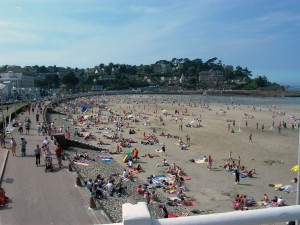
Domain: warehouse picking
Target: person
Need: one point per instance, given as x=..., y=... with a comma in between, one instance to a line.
x=237, y=175
x=165, y=162
x=21, y=128
x=135, y=154
x=266, y=198
x=250, y=137
x=27, y=127
x=280, y=201
x=39, y=129
x=59, y=153
x=23, y=146
x=139, y=168
x=139, y=190
x=37, y=153
x=164, y=211
x=110, y=188
x=89, y=185
x=164, y=150
x=209, y=162
x=130, y=163
x=46, y=142
x=13, y=145
x=125, y=173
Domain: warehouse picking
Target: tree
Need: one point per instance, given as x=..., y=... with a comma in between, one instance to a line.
x=70, y=79
x=261, y=81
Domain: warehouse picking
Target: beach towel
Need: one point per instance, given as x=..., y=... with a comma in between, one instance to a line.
x=173, y=215
x=107, y=160
x=81, y=164
x=159, y=143
x=159, y=150
x=199, y=161
x=278, y=185
x=104, y=156
x=187, y=178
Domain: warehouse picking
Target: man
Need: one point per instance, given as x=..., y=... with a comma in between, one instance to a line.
x=23, y=146
x=13, y=145
x=37, y=153
x=59, y=153
x=135, y=154
x=250, y=137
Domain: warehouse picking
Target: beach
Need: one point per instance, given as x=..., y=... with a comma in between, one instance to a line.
x=215, y=127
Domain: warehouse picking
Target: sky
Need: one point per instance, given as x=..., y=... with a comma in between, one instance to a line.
x=262, y=35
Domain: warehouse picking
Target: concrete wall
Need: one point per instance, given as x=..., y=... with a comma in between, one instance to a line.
x=139, y=215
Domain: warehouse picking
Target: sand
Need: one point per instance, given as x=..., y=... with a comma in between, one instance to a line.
x=271, y=154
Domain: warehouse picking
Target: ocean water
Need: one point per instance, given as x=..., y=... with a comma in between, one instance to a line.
x=293, y=88
x=284, y=103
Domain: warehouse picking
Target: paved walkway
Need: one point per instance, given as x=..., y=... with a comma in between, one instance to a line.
x=39, y=197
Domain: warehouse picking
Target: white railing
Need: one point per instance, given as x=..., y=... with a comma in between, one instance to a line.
x=139, y=215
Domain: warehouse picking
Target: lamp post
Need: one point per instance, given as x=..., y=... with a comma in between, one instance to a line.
x=3, y=124
x=29, y=94
x=15, y=91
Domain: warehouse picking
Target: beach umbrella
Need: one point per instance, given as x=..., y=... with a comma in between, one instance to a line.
x=295, y=168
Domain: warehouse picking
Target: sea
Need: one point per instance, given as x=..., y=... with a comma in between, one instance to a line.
x=293, y=88
x=281, y=103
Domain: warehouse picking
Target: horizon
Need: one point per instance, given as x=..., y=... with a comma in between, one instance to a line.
x=264, y=37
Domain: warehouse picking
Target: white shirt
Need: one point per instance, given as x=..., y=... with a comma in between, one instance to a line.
x=46, y=142
x=280, y=201
x=110, y=187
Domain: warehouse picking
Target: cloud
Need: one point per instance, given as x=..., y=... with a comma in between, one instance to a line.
x=143, y=9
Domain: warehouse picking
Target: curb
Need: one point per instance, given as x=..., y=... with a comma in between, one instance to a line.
x=2, y=168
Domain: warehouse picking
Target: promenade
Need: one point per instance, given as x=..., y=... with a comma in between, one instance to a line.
x=38, y=197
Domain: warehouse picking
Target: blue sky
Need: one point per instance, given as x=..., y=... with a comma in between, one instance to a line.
x=262, y=35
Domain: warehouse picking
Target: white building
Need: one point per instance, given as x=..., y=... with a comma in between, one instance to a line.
x=16, y=82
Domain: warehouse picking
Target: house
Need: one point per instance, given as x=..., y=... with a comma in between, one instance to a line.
x=211, y=77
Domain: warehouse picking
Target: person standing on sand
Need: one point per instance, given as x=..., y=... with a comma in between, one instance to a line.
x=237, y=175
x=250, y=137
x=163, y=148
x=262, y=127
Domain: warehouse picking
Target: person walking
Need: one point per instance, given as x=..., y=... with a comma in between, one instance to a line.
x=37, y=153
x=39, y=129
x=250, y=137
x=59, y=153
x=27, y=127
x=163, y=148
x=13, y=145
x=23, y=146
x=237, y=175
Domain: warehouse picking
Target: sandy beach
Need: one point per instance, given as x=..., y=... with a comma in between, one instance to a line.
x=271, y=154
